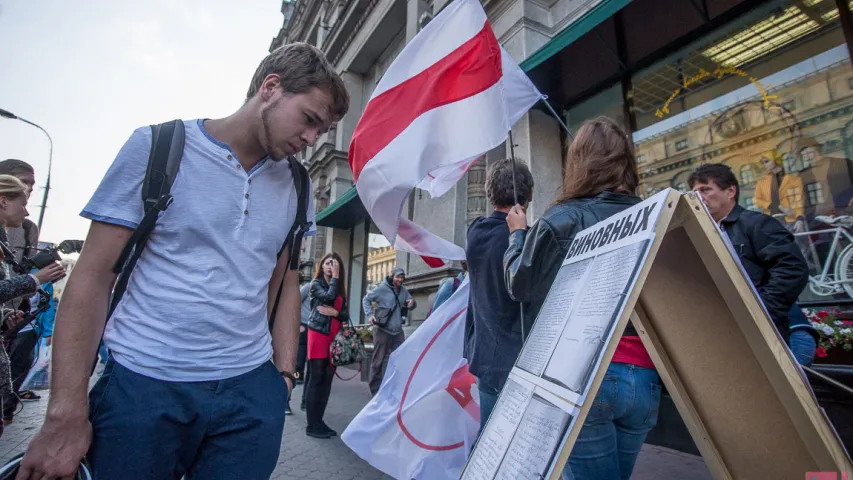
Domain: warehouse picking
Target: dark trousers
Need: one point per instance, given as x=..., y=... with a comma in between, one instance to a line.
x=21, y=357
x=302, y=353
x=384, y=345
x=150, y=429
x=319, y=388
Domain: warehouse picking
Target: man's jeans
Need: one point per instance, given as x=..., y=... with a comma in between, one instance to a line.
x=488, y=399
x=150, y=429
x=624, y=410
x=803, y=346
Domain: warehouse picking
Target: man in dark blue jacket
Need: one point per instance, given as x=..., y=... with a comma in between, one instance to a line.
x=768, y=253
x=493, y=324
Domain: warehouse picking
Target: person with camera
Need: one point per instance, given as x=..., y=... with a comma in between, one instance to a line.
x=383, y=306
x=13, y=211
x=328, y=313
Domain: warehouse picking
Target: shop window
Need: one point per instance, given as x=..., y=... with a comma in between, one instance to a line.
x=641, y=158
x=747, y=174
x=815, y=193
x=721, y=99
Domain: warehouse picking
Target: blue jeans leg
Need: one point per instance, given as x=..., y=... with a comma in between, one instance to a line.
x=488, y=398
x=622, y=414
x=145, y=428
x=803, y=346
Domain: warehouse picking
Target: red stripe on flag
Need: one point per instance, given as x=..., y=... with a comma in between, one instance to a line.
x=432, y=261
x=470, y=69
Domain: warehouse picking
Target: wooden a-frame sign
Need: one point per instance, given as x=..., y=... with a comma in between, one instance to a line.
x=743, y=398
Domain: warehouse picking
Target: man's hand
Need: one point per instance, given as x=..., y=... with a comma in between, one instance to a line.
x=289, y=384
x=516, y=219
x=50, y=273
x=410, y=302
x=57, y=449
x=14, y=319
x=301, y=328
x=328, y=311
x=48, y=340
x=372, y=320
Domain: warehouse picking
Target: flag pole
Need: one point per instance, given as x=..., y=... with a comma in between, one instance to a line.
x=512, y=160
x=515, y=198
x=559, y=119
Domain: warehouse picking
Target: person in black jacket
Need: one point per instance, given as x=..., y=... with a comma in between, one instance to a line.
x=328, y=313
x=493, y=321
x=600, y=180
x=768, y=252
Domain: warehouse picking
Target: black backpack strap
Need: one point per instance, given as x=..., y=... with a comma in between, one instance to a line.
x=300, y=225
x=167, y=148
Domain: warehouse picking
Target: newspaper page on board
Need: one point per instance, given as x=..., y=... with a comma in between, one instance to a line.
x=586, y=300
x=551, y=378
x=525, y=432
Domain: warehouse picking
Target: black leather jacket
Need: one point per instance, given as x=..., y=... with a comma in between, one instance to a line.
x=534, y=256
x=323, y=293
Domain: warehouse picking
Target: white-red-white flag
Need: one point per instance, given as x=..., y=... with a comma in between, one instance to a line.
x=450, y=96
x=423, y=421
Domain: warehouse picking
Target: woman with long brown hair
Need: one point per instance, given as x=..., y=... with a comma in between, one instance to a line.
x=600, y=180
x=328, y=313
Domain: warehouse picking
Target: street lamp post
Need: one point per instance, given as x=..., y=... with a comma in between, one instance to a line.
x=10, y=115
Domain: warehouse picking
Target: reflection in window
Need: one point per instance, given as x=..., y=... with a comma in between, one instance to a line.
x=641, y=158
x=789, y=163
x=815, y=193
x=809, y=157
x=747, y=174
x=794, y=196
x=681, y=145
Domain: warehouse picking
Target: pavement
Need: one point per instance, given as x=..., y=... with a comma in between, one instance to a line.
x=303, y=457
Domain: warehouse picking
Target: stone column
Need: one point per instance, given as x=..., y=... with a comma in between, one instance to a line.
x=476, y=191
x=537, y=136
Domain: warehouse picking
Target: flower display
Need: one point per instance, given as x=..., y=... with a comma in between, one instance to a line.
x=834, y=333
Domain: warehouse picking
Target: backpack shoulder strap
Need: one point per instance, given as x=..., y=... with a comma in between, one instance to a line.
x=300, y=225
x=164, y=160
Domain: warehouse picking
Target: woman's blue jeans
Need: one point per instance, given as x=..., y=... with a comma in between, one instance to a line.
x=624, y=411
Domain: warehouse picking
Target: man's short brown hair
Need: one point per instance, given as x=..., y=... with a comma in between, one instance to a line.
x=499, y=183
x=302, y=67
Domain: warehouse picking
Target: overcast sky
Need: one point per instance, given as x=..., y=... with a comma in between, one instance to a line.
x=90, y=72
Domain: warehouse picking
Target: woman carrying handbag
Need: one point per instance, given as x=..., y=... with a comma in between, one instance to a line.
x=328, y=313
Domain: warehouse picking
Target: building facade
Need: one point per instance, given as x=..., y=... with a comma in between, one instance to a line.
x=380, y=262
x=754, y=84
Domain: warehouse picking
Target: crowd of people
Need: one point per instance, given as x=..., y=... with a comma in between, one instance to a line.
x=202, y=353
x=28, y=303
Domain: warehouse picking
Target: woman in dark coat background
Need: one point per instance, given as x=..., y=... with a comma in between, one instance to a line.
x=328, y=313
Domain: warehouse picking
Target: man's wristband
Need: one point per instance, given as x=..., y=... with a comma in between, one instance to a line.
x=289, y=376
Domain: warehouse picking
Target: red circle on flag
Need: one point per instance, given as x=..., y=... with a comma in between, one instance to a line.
x=435, y=448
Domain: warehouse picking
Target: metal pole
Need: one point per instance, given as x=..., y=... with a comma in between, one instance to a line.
x=10, y=115
x=512, y=160
x=559, y=119
x=829, y=380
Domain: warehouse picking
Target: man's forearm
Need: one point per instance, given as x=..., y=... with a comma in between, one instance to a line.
x=78, y=329
x=285, y=332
